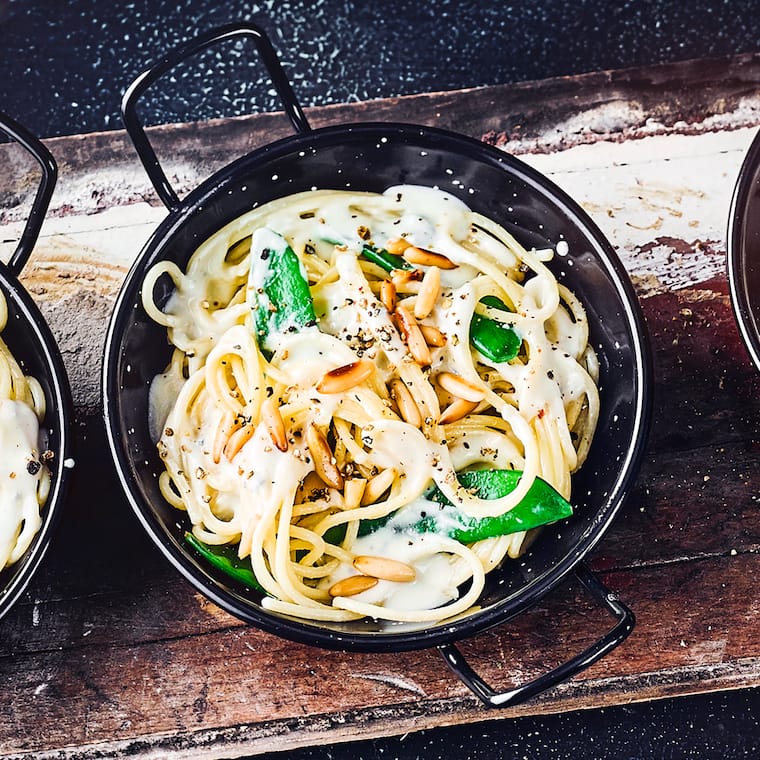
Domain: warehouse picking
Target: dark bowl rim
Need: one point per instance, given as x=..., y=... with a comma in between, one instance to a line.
x=736, y=251
x=48, y=352
x=431, y=636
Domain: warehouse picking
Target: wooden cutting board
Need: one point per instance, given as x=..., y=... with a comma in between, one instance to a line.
x=111, y=652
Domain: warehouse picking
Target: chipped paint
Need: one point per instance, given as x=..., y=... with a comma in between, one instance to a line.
x=662, y=201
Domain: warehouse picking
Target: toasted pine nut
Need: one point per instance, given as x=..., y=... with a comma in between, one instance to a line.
x=412, y=334
x=418, y=348
x=423, y=257
x=353, y=490
x=430, y=288
x=457, y=386
x=388, y=295
x=377, y=486
x=456, y=410
x=324, y=461
x=406, y=280
x=352, y=585
x=238, y=439
x=346, y=377
x=221, y=436
x=385, y=568
x=272, y=419
x=432, y=335
x=310, y=487
x=397, y=245
x=405, y=402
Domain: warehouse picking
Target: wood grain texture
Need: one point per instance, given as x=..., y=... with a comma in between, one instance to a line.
x=111, y=653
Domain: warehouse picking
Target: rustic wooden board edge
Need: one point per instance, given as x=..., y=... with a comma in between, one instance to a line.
x=613, y=681
x=690, y=96
x=397, y=720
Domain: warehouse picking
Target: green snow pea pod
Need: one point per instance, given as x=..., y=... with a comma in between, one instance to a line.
x=278, y=289
x=383, y=259
x=541, y=505
x=495, y=340
x=225, y=558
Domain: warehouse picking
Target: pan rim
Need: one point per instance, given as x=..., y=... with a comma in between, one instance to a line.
x=737, y=259
x=498, y=612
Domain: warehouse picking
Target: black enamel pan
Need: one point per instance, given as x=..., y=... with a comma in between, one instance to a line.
x=372, y=157
x=30, y=341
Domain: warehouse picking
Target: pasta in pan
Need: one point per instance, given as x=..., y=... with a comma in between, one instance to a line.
x=374, y=398
x=24, y=478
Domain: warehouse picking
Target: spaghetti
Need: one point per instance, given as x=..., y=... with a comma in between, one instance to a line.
x=328, y=437
x=24, y=478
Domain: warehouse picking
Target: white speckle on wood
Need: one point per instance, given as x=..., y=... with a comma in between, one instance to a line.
x=394, y=681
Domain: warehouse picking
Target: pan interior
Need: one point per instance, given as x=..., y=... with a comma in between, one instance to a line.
x=374, y=157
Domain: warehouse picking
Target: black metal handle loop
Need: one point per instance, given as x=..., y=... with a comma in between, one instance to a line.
x=596, y=651
x=149, y=76
x=44, y=192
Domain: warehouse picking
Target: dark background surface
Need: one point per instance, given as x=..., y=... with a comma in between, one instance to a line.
x=64, y=65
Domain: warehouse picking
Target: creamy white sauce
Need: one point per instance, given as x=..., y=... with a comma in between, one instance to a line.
x=434, y=584
x=19, y=506
x=162, y=395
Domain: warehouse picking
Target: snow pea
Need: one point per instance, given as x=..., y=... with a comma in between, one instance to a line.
x=383, y=259
x=541, y=505
x=495, y=340
x=225, y=558
x=280, y=295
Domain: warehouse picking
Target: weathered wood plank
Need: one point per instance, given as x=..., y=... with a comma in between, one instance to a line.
x=267, y=691
x=686, y=97
x=663, y=204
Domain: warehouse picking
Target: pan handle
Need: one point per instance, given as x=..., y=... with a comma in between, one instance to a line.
x=44, y=192
x=148, y=77
x=625, y=622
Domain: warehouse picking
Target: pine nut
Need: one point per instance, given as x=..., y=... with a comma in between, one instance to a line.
x=221, y=436
x=430, y=288
x=311, y=488
x=433, y=336
x=456, y=410
x=406, y=280
x=412, y=334
x=353, y=490
x=324, y=461
x=352, y=585
x=377, y=486
x=384, y=568
x=397, y=245
x=405, y=402
x=346, y=377
x=457, y=386
x=388, y=295
x=272, y=419
x=423, y=257
x=238, y=439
